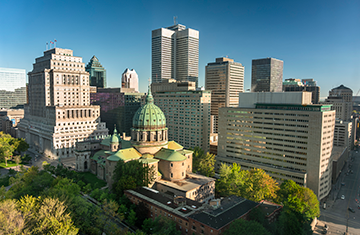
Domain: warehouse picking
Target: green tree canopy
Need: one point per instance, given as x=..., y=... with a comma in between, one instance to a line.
x=254, y=185
x=131, y=175
x=203, y=163
x=259, y=186
x=299, y=199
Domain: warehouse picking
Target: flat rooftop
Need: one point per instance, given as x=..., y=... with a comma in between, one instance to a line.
x=231, y=208
x=191, y=181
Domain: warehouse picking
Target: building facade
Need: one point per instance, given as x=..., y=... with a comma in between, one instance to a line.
x=267, y=75
x=117, y=107
x=341, y=99
x=13, y=88
x=129, y=79
x=309, y=85
x=225, y=79
x=59, y=112
x=289, y=141
x=9, y=120
x=188, y=115
x=343, y=134
x=175, y=54
x=97, y=73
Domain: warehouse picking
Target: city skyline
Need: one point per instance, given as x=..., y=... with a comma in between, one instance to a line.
x=314, y=39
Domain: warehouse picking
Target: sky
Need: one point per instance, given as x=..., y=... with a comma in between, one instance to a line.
x=315, y=39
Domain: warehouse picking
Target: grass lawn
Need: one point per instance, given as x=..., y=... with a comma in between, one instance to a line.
x=10, y=164
x=92, y=179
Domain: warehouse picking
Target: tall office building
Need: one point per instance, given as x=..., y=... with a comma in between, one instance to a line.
x=341, y=99
x=129, y=79
x=225, y=79
x=175, y=54
x=187, y=113
x=117, y=107
x=97, y=73
x=12, y=88
x=267, y=75
x=282, y=133
x=293, y=84
x=59, y=112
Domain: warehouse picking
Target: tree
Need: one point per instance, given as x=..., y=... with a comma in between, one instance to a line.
x=231, y=181
x=11, y=219
x=291, y=222
x=197, y=155
x=207, y=165
x=131, y=175
x=6, y=148
x=19, y=145
x=17, y=160
x=132, y=218
x=299, y=199
x=164, y=226
x=260, y=186
x=241, y=226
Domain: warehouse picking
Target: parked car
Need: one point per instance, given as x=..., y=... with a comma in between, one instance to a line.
x=342, y=197
x=342, y=184
x=351, y=209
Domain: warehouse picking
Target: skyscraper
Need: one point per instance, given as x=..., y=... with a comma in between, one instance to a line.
x=175, y=54
x=225, y=79
x=267, y=75
x=129, y=79
x=12, y=88
x=59, y=112
x=97, y=73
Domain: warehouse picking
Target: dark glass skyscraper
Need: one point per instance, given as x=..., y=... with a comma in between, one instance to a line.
x=97, y=73
x=267, y=75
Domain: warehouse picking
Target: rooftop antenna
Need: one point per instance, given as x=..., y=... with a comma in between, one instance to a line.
x=47, y=46
x=175, y=18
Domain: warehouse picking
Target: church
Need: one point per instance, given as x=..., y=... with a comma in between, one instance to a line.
x=148, y=144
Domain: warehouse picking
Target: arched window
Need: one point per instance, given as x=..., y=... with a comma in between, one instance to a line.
x=85, y=165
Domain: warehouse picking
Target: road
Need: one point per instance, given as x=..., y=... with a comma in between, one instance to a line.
x=337, y=216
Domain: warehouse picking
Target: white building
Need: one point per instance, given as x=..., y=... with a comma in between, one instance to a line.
x=59, y=112
x=175, y=54
x=129, y=79
x=290, y=141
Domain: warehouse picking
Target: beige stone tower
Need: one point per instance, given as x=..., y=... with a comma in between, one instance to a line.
x=59, y=112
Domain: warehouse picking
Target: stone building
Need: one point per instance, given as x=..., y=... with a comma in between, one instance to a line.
x=59, y=112
x=148, y=144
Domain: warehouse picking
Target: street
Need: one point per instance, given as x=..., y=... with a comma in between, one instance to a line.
x=336, y=215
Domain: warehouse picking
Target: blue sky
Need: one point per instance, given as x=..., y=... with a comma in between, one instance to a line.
x=315, y=39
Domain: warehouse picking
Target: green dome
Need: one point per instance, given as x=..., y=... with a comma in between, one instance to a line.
x=149, y=116
x=114, y=137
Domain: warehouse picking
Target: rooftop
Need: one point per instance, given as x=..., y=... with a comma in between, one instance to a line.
x=231, y=208
x=191, y=181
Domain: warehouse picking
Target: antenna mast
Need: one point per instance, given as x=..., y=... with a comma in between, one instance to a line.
x=175, y=18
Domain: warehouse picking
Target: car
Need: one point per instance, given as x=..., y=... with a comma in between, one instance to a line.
x=342, y=197
x=351, y=209
x=342, y=184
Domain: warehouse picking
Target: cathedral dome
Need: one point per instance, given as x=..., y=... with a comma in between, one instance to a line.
x=149, y=116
